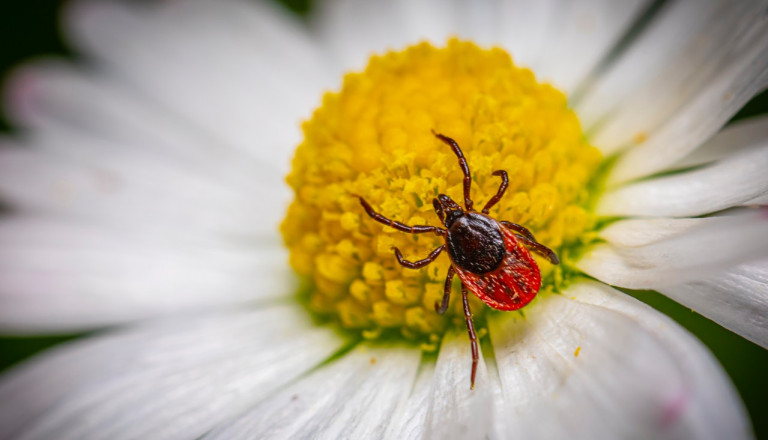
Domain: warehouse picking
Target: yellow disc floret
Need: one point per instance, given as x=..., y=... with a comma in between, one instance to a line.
x=373, y=138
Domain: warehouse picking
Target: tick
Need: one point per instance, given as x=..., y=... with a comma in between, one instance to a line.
x=492, y=258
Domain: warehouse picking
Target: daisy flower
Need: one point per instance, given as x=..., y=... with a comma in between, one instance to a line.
x=148, y=208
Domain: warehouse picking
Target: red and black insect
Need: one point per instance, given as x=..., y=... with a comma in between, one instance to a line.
x=491, y=257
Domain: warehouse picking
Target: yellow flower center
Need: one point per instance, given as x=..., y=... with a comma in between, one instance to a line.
x=373, y=138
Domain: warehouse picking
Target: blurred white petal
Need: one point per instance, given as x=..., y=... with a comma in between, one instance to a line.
x=733, y=181
x=695, y=65
x=218, y=66
x=573, y=35
x=128, y=190
x=760, y=200
x=698, y=120
x=736, y=298
x=353, y=397
x=594, y=363
x=709, y=245
x=578, y=35
x=60, y=276
x=354, y=30
x=171, y=379
x=641, y=232
x=743, y=135
x=77, y=112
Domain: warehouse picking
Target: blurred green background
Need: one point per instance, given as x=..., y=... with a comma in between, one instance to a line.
x=31, y=29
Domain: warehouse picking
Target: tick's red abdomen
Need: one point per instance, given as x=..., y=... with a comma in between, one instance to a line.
x=515, y=281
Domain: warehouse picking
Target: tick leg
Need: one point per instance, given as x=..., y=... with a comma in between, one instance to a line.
x=439, y=210
x=472, y=335
x=420, y=263
x=540, y=249
x=464, y=167
x=418, y=229
x=520, y=229
x=500, y=193
x=441, y=307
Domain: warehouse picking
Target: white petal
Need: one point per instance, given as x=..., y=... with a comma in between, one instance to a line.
x=653, y=50
x=408, y=419
x=762, y=200
x=679, y=82
x=737, y=299
x=572, y=36
x=173, y=379
x=734, y=181
x=130, y=190
x=744, y=135
x=59, y=276
x=84, y=113
x=709, y=245
x=354, y=30
x=641, y=232
x=353, y=397
x=697, y=120
x=594, y=363
x=578, y=36
x=455, y=411
x=219, y=66
x=525, y=29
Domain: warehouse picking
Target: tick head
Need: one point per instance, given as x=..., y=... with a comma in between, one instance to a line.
x=451, y=209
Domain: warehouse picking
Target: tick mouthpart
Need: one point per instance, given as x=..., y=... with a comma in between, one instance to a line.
x=448, y=204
